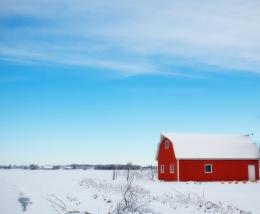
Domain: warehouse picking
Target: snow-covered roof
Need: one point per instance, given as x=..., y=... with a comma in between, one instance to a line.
x=212, y=146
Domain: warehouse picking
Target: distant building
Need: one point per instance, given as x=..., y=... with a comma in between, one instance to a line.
x=68, y=167
x=47, y=167
x=207, y=157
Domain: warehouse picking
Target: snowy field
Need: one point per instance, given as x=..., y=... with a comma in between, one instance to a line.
x=95, y=191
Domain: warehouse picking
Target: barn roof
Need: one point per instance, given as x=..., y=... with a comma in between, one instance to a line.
x=212, y=146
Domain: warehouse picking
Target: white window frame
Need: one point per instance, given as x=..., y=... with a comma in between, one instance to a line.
x=208, y=164
x=171, y=168
x=162, y=168
x=166, y=144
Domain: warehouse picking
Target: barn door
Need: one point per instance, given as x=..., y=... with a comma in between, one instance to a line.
x=251, y=172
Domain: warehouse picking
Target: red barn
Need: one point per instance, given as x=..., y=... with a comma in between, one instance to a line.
x=207, y=157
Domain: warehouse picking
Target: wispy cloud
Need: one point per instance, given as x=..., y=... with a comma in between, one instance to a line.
x=133, y=36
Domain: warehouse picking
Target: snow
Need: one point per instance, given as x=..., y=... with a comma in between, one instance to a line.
x=94, y=191
x=8, y=197
x=212, y=146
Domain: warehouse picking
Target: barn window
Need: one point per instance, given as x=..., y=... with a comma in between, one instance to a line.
x=208, y=168
x=171, y=168
x=162, y=168
x=166, y=144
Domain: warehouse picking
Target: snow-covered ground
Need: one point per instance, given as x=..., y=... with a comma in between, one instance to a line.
x=94, y=191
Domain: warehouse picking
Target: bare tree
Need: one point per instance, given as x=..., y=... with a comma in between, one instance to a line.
x=33, y=167
x=114, y=174
x=152, y=173
x=131, y=201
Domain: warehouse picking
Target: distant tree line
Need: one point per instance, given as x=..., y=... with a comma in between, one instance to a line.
x=128, y=166
x=117, y=167
x=6, y=166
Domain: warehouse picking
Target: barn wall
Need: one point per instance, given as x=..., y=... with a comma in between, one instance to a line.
x=223, y=170
x=166, y=157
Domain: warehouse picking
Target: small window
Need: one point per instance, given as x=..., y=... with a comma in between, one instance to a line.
x=166, y=144
x=171, y=168
x=208, y=168
x=162, y=168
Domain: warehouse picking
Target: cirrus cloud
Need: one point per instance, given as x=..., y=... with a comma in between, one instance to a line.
x=133, y=36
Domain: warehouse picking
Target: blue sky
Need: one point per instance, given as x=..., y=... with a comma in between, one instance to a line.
x=85, y=82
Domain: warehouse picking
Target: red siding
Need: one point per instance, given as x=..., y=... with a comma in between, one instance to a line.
x=193, y=170
x=166, y=157
x=222, y=170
